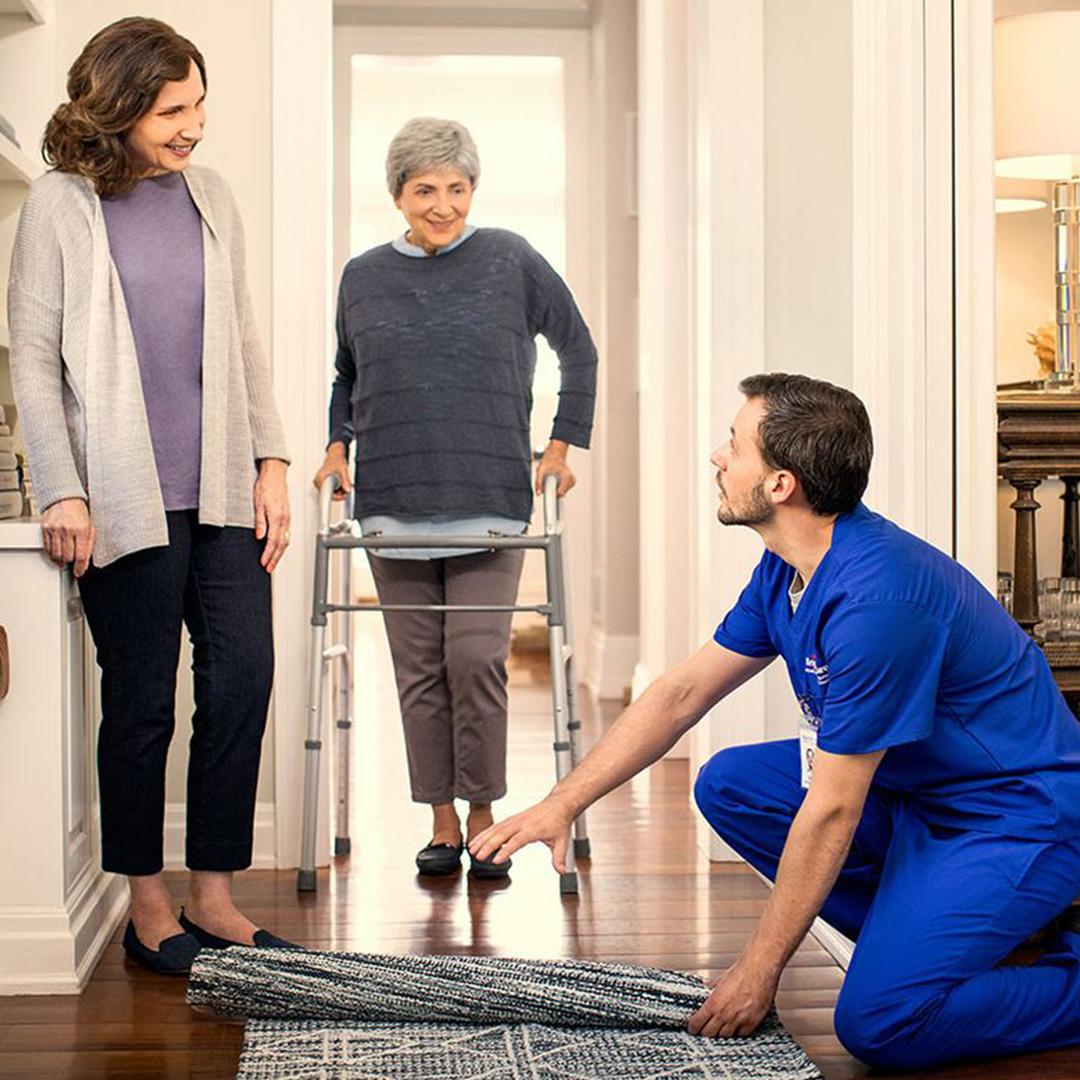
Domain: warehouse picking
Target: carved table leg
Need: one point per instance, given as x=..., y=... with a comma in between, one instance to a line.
x=1070, y=528
x=1025, y=570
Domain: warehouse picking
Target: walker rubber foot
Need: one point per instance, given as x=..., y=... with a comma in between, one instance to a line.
x=582, y=849
x=568, y=884
x=305, y=881
x=342, y=845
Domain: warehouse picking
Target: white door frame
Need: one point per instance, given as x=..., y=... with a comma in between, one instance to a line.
x=301, y=49
x=572, y=46
x=975, y=341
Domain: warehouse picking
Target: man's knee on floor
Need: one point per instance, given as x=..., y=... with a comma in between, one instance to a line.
x=720, y=783
x=882, y=1035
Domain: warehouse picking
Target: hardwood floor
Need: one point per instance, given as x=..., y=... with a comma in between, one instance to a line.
x=648, y=896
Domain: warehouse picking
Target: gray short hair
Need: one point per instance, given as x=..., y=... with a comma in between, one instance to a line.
x=425, y=143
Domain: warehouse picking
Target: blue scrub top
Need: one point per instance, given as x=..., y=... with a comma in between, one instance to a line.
x=896, y=647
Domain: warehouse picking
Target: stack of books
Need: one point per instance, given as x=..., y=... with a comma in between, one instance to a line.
x=11, y=500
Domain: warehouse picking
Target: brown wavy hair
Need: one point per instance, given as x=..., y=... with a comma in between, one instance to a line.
x=114, y=82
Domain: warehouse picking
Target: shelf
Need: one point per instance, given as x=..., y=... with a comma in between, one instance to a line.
x=20, y=534
x=16, y=165
x=29, y=8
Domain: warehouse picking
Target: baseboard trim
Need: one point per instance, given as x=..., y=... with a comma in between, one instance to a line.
x=55, y=950
x=264, y=849
x=840, y=948
x=612, y=659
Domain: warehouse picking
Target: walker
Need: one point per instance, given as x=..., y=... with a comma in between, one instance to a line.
x=343, y=536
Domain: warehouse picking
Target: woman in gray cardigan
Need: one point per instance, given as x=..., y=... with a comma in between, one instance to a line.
x=159, y=460
x=435, y=362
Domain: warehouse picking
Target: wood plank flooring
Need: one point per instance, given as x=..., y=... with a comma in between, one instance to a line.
x=648, y=896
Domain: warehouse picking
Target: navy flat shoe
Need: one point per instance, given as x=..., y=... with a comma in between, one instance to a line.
x=262, y=939
x=488, y=868
x=439, y=859
x=173, y=956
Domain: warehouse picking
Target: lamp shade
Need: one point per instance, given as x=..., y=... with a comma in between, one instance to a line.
x=1037, y=95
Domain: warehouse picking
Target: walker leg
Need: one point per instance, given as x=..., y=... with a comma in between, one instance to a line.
x=568, y=881
x=582, y=848
x=343, y=725
x=305, y=880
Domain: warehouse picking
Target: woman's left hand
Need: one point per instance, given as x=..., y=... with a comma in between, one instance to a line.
x=553, y=463
x=272, y=511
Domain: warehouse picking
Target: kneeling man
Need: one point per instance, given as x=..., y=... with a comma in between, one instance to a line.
x=930, y=808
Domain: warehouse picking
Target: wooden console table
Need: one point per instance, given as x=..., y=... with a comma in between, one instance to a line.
x=1039, y=438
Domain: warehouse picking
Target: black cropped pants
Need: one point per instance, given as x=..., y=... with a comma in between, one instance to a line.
x=210, y=580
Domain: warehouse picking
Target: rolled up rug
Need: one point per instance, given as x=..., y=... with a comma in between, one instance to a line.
x=301, y=985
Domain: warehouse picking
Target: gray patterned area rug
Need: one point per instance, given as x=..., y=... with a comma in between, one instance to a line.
x=296, y=1049
x=361, y=1015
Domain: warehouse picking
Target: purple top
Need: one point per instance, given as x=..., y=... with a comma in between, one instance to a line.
x=155, y=237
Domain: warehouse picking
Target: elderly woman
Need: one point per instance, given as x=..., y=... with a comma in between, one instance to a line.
x=158, y=457
x=435, y=362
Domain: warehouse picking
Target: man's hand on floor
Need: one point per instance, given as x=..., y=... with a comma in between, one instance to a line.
x=548, y=821
x=740, y=999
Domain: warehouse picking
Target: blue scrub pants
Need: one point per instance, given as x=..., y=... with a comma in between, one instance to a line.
x=933, y=911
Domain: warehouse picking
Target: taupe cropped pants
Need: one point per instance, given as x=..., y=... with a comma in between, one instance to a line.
x=450, y=669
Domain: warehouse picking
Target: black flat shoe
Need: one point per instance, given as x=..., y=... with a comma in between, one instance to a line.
x=262, y=939
x=439, y=859
x=488, y=868
x=173, y=956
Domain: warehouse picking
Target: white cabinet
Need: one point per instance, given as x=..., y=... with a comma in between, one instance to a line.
x=57, y=908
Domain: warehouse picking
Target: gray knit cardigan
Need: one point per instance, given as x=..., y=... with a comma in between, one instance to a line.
x=76, y=374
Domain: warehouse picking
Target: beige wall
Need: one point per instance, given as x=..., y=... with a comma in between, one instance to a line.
x=808, y=196
x=234, y=38
x=808, y=255
x=615, y=521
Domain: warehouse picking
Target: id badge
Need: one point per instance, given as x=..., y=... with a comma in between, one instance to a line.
x=808, y=733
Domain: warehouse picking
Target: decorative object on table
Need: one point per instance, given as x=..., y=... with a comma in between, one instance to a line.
x=1070, y=609
x=1037, y=137
x=280, y=1049
x=1049, y=628
x=465, y=1017
x=1044, y=343
x=1005, y=590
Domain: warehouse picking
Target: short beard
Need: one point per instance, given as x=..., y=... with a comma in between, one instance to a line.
x=757, y=511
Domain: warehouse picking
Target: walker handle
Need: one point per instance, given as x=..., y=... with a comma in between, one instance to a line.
x=329, y=485
x=552, y=503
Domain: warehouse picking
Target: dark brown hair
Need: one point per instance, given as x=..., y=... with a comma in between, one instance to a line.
x=115, y=80
x=817, y=431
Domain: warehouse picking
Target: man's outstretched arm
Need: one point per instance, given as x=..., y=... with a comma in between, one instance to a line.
x=816, y=848
x=670, y=706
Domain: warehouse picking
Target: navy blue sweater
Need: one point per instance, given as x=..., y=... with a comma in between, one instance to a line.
x=435, y=366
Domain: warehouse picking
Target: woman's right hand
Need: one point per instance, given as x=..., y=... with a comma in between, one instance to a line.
x=336, y=464
x=68, y=534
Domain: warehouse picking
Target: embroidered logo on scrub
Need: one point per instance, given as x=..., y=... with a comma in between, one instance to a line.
x=819, y=671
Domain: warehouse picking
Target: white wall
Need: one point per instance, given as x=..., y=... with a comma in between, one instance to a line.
x=615, y=440
x=793, y=204
x=808, y=226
